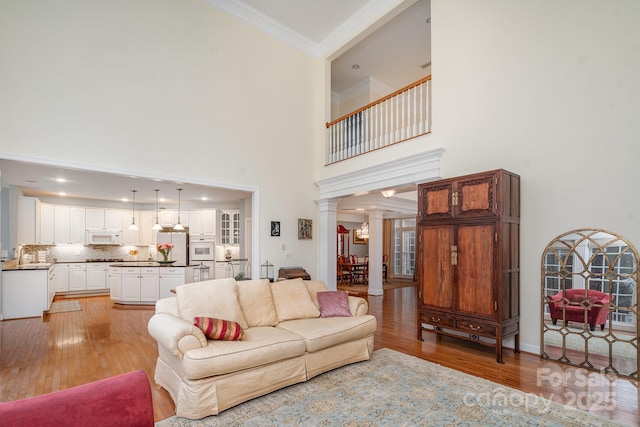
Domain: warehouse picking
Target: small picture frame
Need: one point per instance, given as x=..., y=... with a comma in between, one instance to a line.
x=357, y=240
x=275, y=228
x=305, y=229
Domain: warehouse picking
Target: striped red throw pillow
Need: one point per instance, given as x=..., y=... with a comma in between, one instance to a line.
x=218, y=329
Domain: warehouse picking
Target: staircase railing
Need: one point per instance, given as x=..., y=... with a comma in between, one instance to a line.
x=399, y=116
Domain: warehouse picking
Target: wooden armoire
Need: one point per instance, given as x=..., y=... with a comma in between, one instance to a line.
x=467, y=258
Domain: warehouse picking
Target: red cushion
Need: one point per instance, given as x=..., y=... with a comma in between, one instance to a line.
x=123, y=400
x=218, y=329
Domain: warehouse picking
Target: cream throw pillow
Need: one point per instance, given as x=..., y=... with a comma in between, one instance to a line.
x=257, y=303
x=293, y=301
x=212, y=298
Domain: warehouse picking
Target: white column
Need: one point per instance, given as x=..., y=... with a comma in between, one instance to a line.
x=375, y=251
x=327, y=246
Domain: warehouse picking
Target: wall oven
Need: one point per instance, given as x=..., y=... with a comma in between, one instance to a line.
x=201, y=249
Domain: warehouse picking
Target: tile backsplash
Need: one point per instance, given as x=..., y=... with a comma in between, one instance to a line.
x=73, y=253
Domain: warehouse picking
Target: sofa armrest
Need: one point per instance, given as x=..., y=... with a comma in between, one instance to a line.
x=358, y=306
x=175, y=334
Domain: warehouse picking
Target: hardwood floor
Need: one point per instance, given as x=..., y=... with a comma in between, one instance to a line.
x=63, y=350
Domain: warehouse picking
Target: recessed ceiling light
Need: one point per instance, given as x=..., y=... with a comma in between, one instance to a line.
x=355, y=66
x=61, y=180
x=203, y=198
x=62, y=193
x=124, y=199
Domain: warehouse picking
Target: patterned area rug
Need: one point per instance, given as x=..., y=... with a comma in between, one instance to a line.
x=64, y=306
x=394, y=389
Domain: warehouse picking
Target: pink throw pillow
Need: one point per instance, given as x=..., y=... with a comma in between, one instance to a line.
x=334, y=304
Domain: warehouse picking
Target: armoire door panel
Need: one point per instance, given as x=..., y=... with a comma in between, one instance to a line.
x=437, y=271
x=477, y=197
x=475, y=271
x=436, y=202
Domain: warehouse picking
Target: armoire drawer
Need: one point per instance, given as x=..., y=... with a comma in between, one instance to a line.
x=436, y=319
x=475, y=327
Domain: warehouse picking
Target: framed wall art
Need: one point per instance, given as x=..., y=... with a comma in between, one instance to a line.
x=305, y=229
x=275, y=228
x=357, y=240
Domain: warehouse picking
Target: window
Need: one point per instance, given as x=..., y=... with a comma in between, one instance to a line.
x=404, y=248
x=612, y=268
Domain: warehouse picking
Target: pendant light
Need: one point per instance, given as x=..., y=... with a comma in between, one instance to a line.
x=363, y=231
x=178, y=226
x=133, y=225
x=157, y=225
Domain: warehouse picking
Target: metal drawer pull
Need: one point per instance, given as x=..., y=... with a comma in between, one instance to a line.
x=474, y=327
x=435, y=319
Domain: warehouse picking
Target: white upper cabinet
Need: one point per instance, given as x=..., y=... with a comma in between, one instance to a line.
x=28, y=221
x=104, y=219
x=147, y=236
x=47, y=224
x=202, y=223
x=69, y=225
x=169, y=217
x=130, y=237
x=230, y=227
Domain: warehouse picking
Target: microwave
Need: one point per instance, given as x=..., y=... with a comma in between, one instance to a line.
x=200, y=250
x=103, y=237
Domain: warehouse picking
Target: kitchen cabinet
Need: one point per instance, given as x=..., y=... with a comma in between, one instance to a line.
x=147, y=235
x=170, y=277
x=169, y=217
x=202, y=223
x=104, y=219
x=230, y=227
x=130, y=237
x=60, y=277
x=130, y=283
x=97, y=275
x=47, y=224
x=467, y=258
x=24, y=293
x=149, y=284
x=77, y=276
x=28, y=221
x=115, y=283
x=69, y=225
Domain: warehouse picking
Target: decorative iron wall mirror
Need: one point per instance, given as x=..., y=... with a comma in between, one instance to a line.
x=589, y=302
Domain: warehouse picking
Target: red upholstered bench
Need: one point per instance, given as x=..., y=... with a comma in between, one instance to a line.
x=123, y=400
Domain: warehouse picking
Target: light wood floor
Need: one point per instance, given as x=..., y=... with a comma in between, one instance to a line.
x=63, y=350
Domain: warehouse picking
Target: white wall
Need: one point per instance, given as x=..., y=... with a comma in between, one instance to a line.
x=190, y=89
x=548, y=90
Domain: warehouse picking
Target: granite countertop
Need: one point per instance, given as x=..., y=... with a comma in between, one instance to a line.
x=144, y=264
x=13, y=265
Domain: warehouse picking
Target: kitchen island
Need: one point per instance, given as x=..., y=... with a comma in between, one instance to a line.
x=144, y=282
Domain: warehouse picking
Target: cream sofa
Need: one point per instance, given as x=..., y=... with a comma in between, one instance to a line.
x=286, y=341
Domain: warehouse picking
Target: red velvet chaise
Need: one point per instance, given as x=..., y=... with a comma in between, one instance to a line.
x=571, y=307
x=123, y=400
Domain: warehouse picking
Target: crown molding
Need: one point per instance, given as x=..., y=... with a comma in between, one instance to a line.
x=354, y=26
x=414, y=169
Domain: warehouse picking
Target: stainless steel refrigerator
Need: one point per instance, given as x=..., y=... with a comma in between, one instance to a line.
x=180, y=251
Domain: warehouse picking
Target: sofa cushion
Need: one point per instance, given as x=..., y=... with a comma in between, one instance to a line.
x=212, y=298
x=219, y=329
x=327, y=332
x=292, y=300
x=257, y=303
x=334, y=304
x=315, y=286
x=262, y=345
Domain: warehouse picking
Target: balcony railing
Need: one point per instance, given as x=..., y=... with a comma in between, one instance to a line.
x=397, y=117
